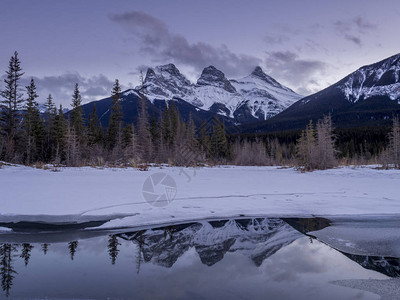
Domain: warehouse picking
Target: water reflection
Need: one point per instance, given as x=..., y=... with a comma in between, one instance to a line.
x=45, y=248
x=256, y=239
x=7, y=254
x=113, y=248
x=26, y=252
x=389, y=266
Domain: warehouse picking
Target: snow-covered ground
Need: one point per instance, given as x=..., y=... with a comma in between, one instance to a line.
x=85, y=194
x=362, y=202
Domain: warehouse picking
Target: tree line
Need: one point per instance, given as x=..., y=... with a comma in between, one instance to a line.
x=29, y=135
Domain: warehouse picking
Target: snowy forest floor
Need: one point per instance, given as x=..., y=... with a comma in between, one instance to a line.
x=76, y=195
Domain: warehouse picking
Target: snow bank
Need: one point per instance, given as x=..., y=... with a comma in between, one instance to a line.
x=88, y=194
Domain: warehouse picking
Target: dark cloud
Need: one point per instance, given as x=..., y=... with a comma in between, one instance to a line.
x=353, y=29
x=297, y=72
x=355, y=39
x=364, y=25
x=62, y=86
x=165, y=46
x=138, y=70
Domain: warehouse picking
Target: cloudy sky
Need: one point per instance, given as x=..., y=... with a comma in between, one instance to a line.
x=306, y=45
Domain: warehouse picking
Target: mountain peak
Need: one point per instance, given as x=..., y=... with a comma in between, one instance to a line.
x=258, y=72
x=214, y=77
x=257, y=96
x=166, y=82
x=170, y=68
x=211, y=70
x=168, y=72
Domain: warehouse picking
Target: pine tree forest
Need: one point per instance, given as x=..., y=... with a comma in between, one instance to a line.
x=32, y=136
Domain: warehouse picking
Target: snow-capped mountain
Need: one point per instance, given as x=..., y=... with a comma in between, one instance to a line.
x=367, y=97
x=166, y=82
x=266, y=96
x=381, y=79
x=257, y=96
x=378, y=79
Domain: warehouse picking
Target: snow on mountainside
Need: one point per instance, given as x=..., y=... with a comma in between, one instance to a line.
x=259, y=94
x=166, y=82
x=213, y=87
x=256, y=238
x=381, y=78
x=266, y=96
x=370, y=96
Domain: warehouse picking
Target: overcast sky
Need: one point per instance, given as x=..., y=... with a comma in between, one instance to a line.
x=306, y=45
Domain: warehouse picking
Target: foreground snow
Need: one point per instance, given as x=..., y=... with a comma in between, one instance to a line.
x=85, y=194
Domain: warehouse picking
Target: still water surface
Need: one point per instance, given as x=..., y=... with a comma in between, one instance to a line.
x=258, y=258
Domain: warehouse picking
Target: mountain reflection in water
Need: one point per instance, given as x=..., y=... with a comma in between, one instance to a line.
x=256, y=239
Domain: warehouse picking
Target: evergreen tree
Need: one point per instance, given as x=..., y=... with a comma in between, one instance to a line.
x=189, y=148
x=129, y=143
x=154, y=130
x=72, y=148
x=204, y=139
x=10, y=106
x=95, y=131
x=33, y=125
x=77, y=114
x=174, y=123
x=76, y=133
x=114, y=130
x=50, y=114
x=219, y=142
x=127, y=136
x=144, y=135
x=166, y=126
x=161, y=155
x=394, y=142
x=49, y=108
x=178, y=130
x=59, y=133
x=191, y=133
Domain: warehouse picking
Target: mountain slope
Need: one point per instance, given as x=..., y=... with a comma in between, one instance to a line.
x=367, y=97
x=266, y=96
x=255, y=97
x=130, y=100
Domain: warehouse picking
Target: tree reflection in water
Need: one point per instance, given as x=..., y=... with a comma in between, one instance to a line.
x=7, y=253
x=72, y=248
x=211, y=240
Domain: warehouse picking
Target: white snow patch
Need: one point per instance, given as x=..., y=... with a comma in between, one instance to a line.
x=81, y=194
